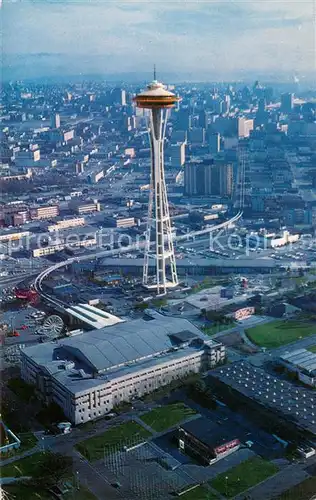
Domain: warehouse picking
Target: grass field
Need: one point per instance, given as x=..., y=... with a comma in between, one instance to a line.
x=277, y=333
x=25, y=467
x=312, y=348
x=161, y=419
x=29, y=466
x=127, y=434
x=243, y=476
x=24, y=492
x=301, y=491
x=211, y=330
x=199, y=493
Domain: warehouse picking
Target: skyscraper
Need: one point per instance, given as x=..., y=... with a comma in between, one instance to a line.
x=214, y=143
x=177, y=153
x=218, y=179
x=183, y=121
x=208, y=178
x=287, y=102
x=158, y=101
x=118, y=96
x=55, y=121
x=194, y=174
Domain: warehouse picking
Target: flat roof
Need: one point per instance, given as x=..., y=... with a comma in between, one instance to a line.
x=93, y=316
x=302, y=359
x=209, y=432
x=296, y=404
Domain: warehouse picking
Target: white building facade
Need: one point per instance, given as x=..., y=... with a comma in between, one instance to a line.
x=87, y=376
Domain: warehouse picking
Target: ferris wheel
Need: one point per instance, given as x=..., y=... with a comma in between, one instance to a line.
x=52, y=326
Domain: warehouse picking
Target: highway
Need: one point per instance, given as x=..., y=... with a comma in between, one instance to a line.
x=110, y=253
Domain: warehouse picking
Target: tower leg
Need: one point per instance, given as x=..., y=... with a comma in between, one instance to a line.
x=164, y=250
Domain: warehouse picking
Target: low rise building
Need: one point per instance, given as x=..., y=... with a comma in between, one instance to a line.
x=48, y=212
x=302, y=362
x=84, y=207
x=207, y=441
x=88, y=375
x=121, y=222
x=66, y=223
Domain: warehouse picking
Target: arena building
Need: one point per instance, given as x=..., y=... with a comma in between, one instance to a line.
x=93, y=372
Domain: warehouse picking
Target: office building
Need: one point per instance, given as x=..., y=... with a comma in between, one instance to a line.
x=183, y=119
x=179, y=136
x=214, y=143
x=208, y=178
x=68, y=135
x=194, y=178
x=88, y=375
x=20, y=218
x=120, y=222
x=48, y=212
x=207, y=441
x=287, y=102
x=84, y=242
x=66, y=224
x=197, y=135
x=84, y=207
x=203, y=119
x=55, y=121
x=118, y=96
x=177, y=154
x=244, y=127
x=28, y=158
x=218, y=179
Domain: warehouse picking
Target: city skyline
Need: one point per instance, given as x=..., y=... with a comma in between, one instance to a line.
x=192, y=40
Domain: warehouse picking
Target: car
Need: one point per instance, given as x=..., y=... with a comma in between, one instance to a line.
x=24, y=327
x=15, y=334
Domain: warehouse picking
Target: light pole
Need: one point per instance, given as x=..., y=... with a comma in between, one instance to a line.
x=226, y=486
x=77, y=480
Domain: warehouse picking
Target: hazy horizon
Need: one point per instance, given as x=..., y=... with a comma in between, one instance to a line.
x=194, y=41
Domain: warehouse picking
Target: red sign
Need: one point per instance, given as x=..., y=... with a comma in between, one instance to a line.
x=244, y=313
x=227, y=446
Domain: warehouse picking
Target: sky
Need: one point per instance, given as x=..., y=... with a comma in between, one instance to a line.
x=205, y=39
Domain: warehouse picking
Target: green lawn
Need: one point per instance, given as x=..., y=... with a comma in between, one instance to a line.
x=211, y=330
x=277, y=333
x=312, y=348
x=28, y=441
x=243, y=476
x=29, y=466
x=161, y=419
x=301, y=491
x=127, y=434
x=19, y=491
x=24, y=492
x=24, y=467
x=199, y=493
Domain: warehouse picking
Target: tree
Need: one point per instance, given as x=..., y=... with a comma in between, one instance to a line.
x=53, y=468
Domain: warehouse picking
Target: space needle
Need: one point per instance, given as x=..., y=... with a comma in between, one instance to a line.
x=158, y=101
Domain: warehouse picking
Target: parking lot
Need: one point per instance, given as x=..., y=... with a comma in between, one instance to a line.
x=21, y=322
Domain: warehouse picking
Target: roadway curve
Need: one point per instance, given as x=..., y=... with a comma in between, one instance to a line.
x=38, y=283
